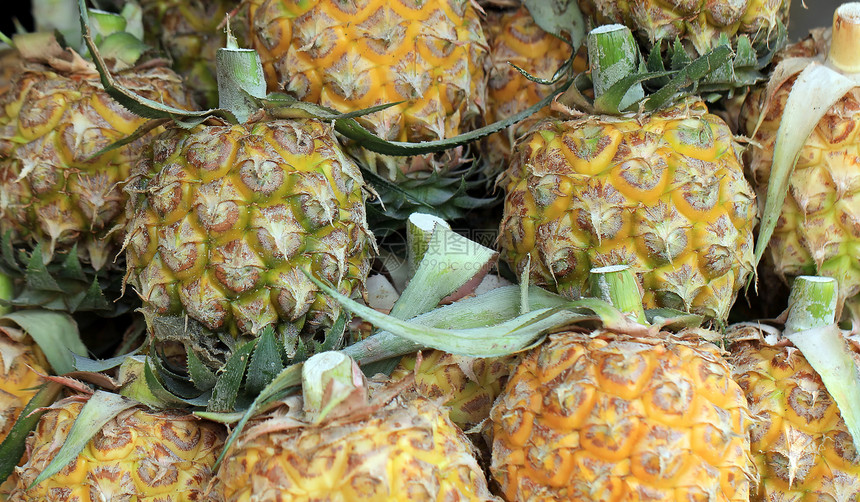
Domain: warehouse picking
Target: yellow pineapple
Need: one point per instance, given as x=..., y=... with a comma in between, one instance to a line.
x=392, y=445
x=224, y=218
x=140, y=455
x=514, y=37
x=53, y=120
x=815, y=228
x=801, y=443
x=663, y=193
x=21, y=362
x=358, y=54
x=660, y=191
x=467, y=386
x=612, y=415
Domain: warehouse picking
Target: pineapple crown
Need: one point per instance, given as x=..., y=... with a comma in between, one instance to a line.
x=622, y=81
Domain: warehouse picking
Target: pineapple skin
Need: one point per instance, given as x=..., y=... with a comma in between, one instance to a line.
x=467, y=386
x=51, y=123
x=140, y=455
x=406, y=451
x=21, y=361
x=354, y=54
x=818, y=230
x=609, y=417
x=225, y=218
x=800, y=442
x=662, y=193
x=699, y=24
x=515, y=37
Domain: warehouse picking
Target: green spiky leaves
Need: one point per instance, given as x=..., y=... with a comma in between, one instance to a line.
x=615, y=91
x=63, y=284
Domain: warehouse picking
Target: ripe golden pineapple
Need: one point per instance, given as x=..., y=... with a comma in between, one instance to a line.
x=138, y=455
x=361, y=53
x=515, y=37
x=407, y=450
x=817, y=229
x=224, y=220
x=53, y=120
x=20, y=360
x=800, y=442
x=190, y=33
x=698, y=24
x=466, y=386
x=613, y=417
x=661, y=192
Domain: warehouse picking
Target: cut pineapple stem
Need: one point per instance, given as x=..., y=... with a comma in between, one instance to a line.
x=617, y=285
x=613, y=55
x=419, y=230
x=844, y=52
x=812, y=303
x=329, y=379
x=241, y=81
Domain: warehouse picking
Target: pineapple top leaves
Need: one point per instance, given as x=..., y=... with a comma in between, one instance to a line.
x=616, y=91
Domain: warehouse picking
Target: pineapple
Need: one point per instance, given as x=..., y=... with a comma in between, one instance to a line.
x=467, y=386
x=191, y=34
x=816, y=230
x=626, y=415
x=357, y=54
x=699, y=25
x=392, y=445
x=514, y=37
x=54, y=119
x=224, y=219
x=141, y=454
x=427, y=55
x=663, y=192
x=800, y=442
x=22, y=363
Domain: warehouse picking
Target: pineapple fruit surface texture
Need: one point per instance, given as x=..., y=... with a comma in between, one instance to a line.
x=662, y=193
x=406, y=451
x=19, y=363
x=800, y=442
x=818, y=231
x=139, y=456
x=355, y=54
x=225, y=218
x=622, y=418
x=515, y=37
x=467, y=386
x=51, y=123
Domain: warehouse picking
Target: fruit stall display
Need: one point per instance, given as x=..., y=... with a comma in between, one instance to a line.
x=484, y=250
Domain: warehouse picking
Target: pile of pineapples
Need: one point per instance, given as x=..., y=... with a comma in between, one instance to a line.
x=228, y=270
